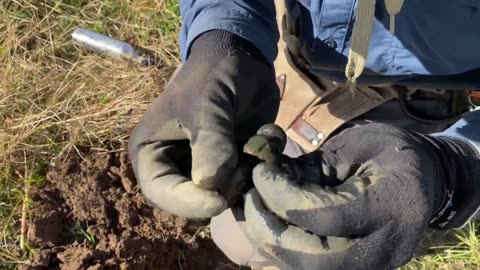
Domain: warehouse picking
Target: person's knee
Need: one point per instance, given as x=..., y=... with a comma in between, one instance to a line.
x=228, y=234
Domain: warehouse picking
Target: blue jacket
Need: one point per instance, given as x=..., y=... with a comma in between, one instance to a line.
x=436, y=42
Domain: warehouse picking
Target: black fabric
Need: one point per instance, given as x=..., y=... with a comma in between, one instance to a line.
x=221, y=42
x=461, y=193
x=363, y=202
x=184, y=149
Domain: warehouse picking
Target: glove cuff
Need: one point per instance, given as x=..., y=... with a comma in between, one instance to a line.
x=459, y=162
x=222, y=43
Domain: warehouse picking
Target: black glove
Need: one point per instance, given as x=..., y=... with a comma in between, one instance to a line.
x=185, y=146
x=364, y=201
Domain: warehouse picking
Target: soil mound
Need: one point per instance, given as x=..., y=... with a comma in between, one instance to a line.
x=91, y=215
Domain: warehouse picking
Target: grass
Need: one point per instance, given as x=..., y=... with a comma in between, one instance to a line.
x=84, y=230
x=449, y=250
x=55, y=98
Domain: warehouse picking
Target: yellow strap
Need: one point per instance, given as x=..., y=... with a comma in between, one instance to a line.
x=362, y=34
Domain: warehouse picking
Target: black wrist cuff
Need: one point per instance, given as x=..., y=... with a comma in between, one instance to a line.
x=222, y=43
x=459, y=162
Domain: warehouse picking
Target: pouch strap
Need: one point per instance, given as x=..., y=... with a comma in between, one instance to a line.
x=310, y=119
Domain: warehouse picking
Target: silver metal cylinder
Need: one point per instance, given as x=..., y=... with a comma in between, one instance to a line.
x=100, y=43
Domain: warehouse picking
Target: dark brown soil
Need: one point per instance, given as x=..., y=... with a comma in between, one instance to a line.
x=91, y=215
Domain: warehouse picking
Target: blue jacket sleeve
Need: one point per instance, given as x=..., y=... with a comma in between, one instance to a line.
x=253, y=20
x=467, y=129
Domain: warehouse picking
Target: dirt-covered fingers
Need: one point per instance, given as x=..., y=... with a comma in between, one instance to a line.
x=164, y=184
x=287, y=245
x=339, y=211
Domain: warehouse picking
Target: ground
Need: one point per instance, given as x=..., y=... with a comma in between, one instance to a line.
x=67, y=196
x=90, y=215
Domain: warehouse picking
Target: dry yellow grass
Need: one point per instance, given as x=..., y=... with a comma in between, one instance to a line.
x=53, y=94
x=56, y=98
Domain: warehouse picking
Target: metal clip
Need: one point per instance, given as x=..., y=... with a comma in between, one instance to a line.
x=281, y=83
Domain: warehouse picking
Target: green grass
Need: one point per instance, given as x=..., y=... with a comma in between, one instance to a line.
x=55, y=98
x=450, y=250
x=84, y=230
x=11, y=197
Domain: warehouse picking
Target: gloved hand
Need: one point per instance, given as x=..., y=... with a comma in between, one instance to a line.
x=364, y=201
x=184, y=148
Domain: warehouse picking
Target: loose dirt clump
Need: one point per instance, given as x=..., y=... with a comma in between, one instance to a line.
x=91, y=215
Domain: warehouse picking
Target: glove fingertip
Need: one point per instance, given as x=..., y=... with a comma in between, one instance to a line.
x=184, y=199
